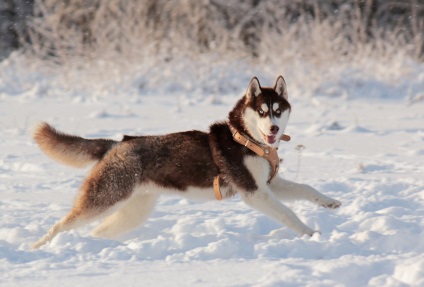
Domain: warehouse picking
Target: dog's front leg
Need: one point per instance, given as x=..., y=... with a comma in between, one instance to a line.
x=288, y=190
x=265, y=201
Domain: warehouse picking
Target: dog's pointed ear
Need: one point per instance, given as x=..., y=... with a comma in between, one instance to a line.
x=281, y=88
x=254, y=88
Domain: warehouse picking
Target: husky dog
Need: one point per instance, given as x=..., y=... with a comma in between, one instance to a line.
x=235, y=156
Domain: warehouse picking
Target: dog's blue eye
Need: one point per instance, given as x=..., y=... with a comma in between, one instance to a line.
x=278, y=112
x=261, y=112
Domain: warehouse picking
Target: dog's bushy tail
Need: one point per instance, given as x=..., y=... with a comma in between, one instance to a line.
x=69, y=149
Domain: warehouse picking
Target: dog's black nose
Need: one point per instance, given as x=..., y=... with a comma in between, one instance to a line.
x=274, y=129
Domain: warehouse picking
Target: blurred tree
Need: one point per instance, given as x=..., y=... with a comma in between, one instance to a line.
x=201, y=25
x=13, y=17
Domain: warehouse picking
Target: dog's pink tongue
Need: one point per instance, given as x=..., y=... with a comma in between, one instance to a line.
x=270, y=139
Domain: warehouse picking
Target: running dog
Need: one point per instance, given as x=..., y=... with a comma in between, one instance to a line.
x=237, y=156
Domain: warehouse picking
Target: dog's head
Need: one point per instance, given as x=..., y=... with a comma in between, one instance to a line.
x=265, y=111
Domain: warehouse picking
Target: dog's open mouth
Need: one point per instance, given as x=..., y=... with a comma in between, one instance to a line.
x=269, y=139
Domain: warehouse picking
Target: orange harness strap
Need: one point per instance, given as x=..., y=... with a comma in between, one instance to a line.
x=216, y=187
x=270, y=154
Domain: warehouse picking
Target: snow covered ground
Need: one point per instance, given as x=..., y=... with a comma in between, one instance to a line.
x=364, y=147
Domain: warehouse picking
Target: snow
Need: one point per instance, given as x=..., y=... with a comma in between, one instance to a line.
x=364, y=145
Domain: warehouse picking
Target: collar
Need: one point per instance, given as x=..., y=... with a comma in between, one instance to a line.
x=268, y=153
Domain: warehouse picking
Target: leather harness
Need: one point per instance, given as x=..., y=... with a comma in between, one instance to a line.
x=268, y=153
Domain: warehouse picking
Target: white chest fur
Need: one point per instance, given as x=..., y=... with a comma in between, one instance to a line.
x=259, y=168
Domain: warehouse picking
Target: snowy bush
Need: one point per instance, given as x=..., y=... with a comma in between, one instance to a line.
x=195, y=46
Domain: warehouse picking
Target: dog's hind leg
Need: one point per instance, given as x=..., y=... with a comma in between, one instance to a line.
x=76, y=218
x=132, y=213
x=288, y=190
x=109, y=185
x=88, y=208
x=82, y=213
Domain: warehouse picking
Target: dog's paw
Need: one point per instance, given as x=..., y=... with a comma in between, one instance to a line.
x=312, y=234
x=331, y=203
x=316, y=235
x=309, y=232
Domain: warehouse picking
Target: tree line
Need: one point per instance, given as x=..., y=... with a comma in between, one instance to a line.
x=77, y=27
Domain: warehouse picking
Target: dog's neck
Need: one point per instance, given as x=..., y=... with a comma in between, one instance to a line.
x=246, y=140
x=268, y=153
x=246, y=135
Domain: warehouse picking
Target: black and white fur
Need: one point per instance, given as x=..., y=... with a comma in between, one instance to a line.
x=129, y=175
